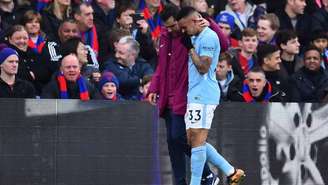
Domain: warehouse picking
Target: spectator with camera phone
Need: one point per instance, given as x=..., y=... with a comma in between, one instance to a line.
x=135, y=23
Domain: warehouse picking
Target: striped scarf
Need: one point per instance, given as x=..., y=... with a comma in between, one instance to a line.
x=84, y=94
x=245, y=64
x=325, y=56
x=154, y=23
x=90, y=38
x=41, y=4
x=248, y=97
x=38, y=46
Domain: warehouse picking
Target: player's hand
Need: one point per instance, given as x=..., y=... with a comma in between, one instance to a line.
x=203, y=22
x=186, y=41
x=152, y=98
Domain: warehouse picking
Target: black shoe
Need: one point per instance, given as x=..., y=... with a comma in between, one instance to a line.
x=211, y=179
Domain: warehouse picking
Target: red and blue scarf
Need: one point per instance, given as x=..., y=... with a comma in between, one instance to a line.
x=84, y=94
x=38, y=46
x=249, y=98
x=90, y=38
x=325, y=56
x=41, y=4
x=245, y=64
x=153, y=22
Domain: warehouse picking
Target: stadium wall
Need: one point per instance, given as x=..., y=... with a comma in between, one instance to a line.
x=69, y=142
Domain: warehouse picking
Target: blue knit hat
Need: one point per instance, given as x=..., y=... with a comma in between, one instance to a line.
x=226, y=18
x=108, y=77
x=5, y=53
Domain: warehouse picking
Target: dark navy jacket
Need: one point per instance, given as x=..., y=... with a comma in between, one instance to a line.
x=129, y=78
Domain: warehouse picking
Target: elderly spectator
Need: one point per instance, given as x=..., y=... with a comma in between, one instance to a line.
x=10, y=85
x=68, y=83
x=89, y=65
x=127, y=68
x=114, y=36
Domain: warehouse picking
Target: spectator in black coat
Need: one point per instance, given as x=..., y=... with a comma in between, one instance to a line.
x=10, y=14
x=52, y=17
x=269, y=59
x=311, y=81
x=320, y=40
x=289, y=45
x=255, y=88
x=104, y=12
x=320, y=18
x=69, y=84
x=88, y=66
x=29, y=68
x=51, y=52
x=293, y=17
x=10, y=85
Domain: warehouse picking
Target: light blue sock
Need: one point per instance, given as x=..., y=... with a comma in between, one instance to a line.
x=198, y=159
x=218, y=160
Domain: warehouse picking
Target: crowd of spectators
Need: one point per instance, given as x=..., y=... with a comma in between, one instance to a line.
x=107, y=49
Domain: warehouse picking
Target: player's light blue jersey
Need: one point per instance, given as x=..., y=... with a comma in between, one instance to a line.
x=204, y=89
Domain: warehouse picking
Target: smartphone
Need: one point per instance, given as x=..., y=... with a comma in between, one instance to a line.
x=136, y=17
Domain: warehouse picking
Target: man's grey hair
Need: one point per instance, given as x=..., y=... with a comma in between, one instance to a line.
x=133, y=44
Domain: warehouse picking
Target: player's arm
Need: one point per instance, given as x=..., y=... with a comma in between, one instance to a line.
x=202, y=63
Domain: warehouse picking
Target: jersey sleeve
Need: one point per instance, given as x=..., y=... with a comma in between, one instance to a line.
x=208, y=46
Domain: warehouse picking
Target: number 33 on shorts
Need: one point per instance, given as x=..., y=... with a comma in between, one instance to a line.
x=199, y=115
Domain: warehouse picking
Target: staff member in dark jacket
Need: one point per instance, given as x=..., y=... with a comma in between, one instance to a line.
x=10, y=85
x=69, y=84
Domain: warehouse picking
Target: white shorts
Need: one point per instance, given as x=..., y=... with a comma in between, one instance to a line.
x=199, y=115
